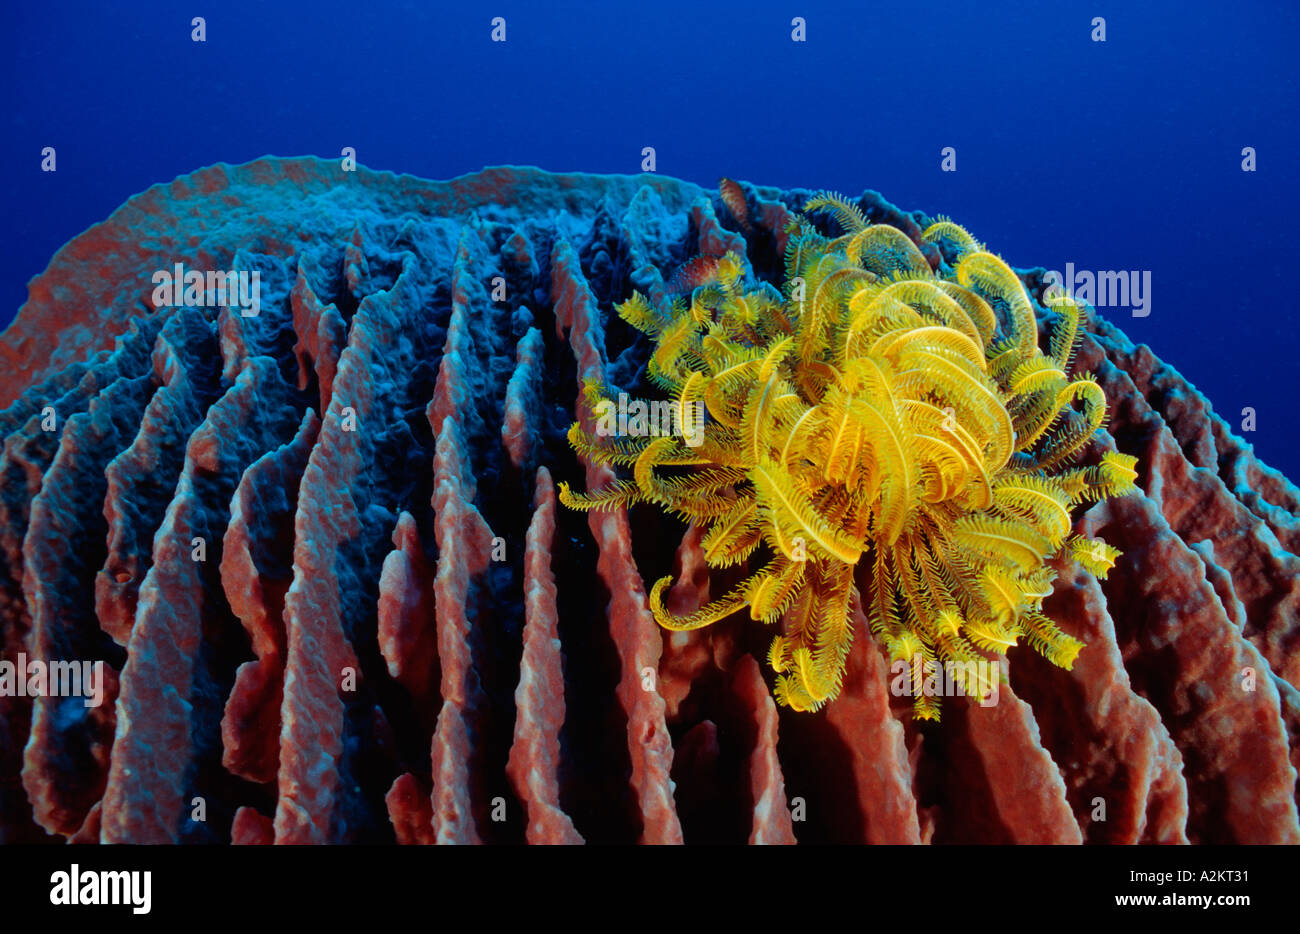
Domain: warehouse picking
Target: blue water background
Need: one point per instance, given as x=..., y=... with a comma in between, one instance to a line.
x=1113, y=156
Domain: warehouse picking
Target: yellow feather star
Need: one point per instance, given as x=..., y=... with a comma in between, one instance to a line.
x=875, y=412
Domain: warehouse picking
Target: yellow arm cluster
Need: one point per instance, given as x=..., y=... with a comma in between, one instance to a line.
x=873, y=413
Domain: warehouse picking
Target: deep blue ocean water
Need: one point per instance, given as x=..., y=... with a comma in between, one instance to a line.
x=1116, y=155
